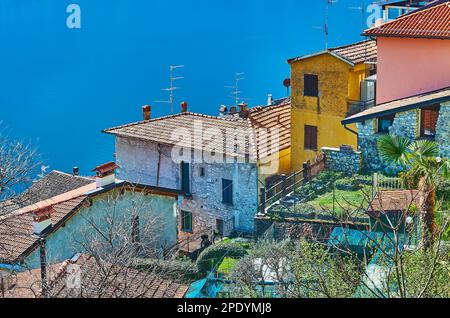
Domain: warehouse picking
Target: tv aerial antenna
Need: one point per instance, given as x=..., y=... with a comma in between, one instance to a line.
x=235, y=94
x=172, y=87
x=325, y=27
x=362, y=10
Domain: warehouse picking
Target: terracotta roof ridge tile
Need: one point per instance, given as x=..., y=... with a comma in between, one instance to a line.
x=410, y=15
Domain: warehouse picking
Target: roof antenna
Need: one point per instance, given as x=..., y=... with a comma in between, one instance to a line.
x=235, y=94
x=325, y=27
x=362, y=10
x=172, y=88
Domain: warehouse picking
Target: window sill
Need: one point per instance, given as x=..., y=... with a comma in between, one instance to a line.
x=187, y=231
x=227, y=203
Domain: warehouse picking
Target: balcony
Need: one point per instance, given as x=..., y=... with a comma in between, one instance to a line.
x=357, y=106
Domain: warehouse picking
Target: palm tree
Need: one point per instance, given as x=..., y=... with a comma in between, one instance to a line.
x=423, y=169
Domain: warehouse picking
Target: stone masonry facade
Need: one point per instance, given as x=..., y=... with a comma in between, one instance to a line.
x=443, y=130
x=342, y=160
x=138, y=162
x=406, y=124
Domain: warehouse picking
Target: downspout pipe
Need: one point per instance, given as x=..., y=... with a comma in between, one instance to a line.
x=353, y=132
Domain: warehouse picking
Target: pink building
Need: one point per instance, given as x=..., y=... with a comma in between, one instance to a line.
x=413, y=53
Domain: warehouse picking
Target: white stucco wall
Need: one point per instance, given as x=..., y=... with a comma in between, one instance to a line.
x=138, y=163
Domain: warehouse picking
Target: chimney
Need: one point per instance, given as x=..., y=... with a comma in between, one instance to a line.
x=269, y=100
x=184, y=106
x=76, y=170
x=223, y=110
x=243, y=110
x=146, y=111
x=105, y=174
x=42, y=220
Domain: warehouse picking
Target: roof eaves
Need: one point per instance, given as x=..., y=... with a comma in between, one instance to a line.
x=304, y=57
x=356, y=118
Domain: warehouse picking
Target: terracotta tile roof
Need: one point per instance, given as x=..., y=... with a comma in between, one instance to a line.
x=106, y=167
x=140, y=284
x=396, y=200
x=16, y=231
x=160, y=130
x=360, y=52
x=355, y=53
x=124, y=282
x=432, y=21
x=51, y=185
x=269, y=117
x=421, y=100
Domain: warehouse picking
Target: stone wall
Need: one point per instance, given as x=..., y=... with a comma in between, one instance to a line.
x=443, y=130
x=206, y=203
x=342, y=160
x=406, y=124
x=138, y=162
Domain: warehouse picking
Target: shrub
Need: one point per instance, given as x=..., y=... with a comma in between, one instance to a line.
x=211, y=256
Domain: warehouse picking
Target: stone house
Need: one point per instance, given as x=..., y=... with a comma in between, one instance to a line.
x=217, y=162
x=413, y=83
x=66, y=209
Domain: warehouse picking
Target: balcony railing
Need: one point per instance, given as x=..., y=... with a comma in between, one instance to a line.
x=357, y=106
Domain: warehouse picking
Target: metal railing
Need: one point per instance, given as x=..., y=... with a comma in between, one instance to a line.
x=289, y=183
x=357, y=106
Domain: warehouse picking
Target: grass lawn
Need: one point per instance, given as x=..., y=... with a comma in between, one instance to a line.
x=345, y=200
x=227, y=266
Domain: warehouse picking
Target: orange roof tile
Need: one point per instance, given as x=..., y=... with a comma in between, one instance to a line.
x=432, y=21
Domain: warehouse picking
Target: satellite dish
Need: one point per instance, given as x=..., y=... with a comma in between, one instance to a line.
x=287, y=83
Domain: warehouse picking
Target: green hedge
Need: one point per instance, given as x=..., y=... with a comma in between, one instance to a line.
x=211, y=256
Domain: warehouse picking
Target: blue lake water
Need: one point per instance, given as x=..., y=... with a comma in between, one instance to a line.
x=59, y=87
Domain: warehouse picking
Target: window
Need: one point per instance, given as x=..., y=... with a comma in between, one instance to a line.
x=311, y=85
x=428, y=121
x=310, y=137
x=201, y=171
x=384, y=123
x=227, y=191
x=185, y=180
x=186, y=221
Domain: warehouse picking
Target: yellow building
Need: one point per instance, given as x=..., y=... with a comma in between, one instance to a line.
x=326, y=87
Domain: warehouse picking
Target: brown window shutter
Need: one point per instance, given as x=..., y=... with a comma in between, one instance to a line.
x=310, y=137
x=313, y=137
x=307, y=137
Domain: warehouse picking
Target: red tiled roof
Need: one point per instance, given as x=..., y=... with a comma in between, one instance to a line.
x=355, y=53
x=396, y=200
x=360, y=52
x=106, y=167
x=429, y=22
